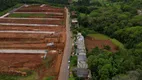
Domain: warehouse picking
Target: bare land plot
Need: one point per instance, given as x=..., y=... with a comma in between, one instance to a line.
x=32, y=27
x=101, y=41
x=36, y=21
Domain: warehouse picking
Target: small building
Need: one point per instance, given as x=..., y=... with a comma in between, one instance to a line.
x=70, y=1
x=73, y=14
x=74, y=21
x=82, y=70
x=139, y=12
x=82, y=73
x=82, y=62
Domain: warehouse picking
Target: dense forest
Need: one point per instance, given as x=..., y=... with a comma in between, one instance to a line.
x=119, y=19
x=111, y=17
x=4, y=4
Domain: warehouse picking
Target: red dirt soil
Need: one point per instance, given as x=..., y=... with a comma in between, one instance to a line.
x=33, y=21
x=35, y=28
x=19, y=60
x=37, y=8
x=93, y=43
x=14, y=40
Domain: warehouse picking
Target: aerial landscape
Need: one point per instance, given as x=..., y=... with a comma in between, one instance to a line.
x=70, y=39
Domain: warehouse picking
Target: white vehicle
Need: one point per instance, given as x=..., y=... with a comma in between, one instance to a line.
x=69, y=61
x=68, y=67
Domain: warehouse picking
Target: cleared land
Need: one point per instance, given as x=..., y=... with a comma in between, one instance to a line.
x=38, y=15
x=100, y=40
x=32, y=21
x=26, y=39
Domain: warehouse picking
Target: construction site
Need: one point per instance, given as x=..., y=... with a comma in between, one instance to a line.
x=34, y=40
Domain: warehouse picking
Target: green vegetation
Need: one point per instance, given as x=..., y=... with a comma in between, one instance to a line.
x=99, y=36
x=73, y=61
x=107, y=47
x=34, y=76
x=109, y=16
x=49, y=78
x=71, y=77
x=31, y=76
x=105, y=65
x=44, y=1
x=8, y=77
x=7, y=5
x=24, y=15
x=130, y=36
x=9, y=9
x=117, y=43
x=104, y=37
x=120, y=21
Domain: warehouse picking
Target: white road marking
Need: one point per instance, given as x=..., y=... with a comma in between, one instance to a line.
x=18, y=24
x=39, y=32
x=23, y=51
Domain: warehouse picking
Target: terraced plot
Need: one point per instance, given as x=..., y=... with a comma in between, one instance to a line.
x=30, y=41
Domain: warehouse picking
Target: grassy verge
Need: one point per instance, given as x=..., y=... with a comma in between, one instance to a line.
x=49, y=78
x=9, y=9
x=10, y=77
x=34, y=76
x=24, y=15
x=73, y=61
x=104, y=37
x=117, y=43
x=99, y=36
x=71, y=77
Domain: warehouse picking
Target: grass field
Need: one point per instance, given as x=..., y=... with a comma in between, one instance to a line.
x=33, y=76
x=71, y=77
x=104, y=37
x=9, y=9
x=117, y=43
x=99, y=36
x=24, y=15
x=49, y=78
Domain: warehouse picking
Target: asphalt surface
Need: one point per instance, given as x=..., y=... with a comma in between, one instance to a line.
x=64, y=71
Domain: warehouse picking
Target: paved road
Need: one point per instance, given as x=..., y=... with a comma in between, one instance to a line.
x=64, y=72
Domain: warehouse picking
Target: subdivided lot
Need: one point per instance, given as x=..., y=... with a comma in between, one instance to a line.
x=7, y=10
x=38, y=8
x=59, y=46
x=29, y=35
x=36, y=15
x=17, y=64
x=42, y=5
x=101, y=41
x=32, y=28
x=32, y=21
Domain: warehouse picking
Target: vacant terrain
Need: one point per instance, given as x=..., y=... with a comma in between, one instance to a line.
x=32, y=42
